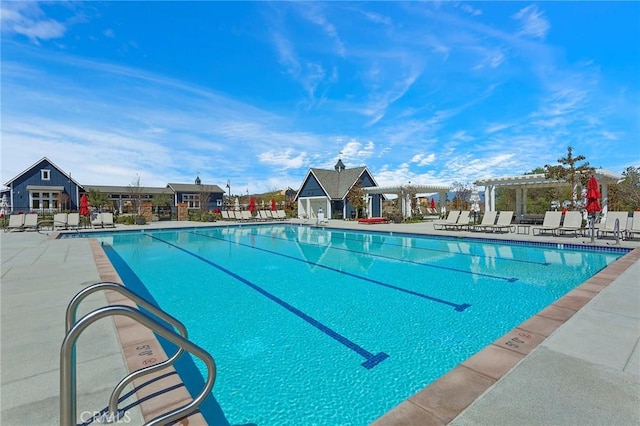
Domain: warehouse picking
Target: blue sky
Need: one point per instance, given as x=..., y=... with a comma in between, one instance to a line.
x=259, y=92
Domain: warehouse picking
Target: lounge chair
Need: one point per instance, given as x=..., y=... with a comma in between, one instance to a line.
x=16, y=223
x=550, y=223
x=281, y=214
x=610, y=224
x=452, y=218
x=462, y=223
x=635, y=226
x=262, y=214
x=107, y=220
x=246, y=215
x=73, y=221
x=572, y=223
x=60, y=220
x=96, y=221
x=503, y=223
x=488, y=219
x=30, y=222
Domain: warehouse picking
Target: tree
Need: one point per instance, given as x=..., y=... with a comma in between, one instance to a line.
x=161, y=200
x=462, y=195
x=63, y=200
x=98, y=199
x=135, y=191
x=569, y=170
x=356, y=197
x=204, y=196
x=626, y=194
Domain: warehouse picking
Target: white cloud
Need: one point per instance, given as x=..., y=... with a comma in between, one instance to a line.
x=532, y=22
x=27, y=19
x=422, y=159
x=284, y=159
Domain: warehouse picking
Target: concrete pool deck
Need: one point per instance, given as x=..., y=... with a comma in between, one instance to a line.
x=579, y=362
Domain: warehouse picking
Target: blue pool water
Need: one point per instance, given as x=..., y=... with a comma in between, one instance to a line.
x=333, y=327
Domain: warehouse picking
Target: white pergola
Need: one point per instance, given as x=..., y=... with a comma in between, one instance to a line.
x=522, y=183
x=404, y=195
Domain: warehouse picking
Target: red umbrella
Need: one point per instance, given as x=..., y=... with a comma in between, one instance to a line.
x=84, y=205
x=433, y=203
x=593, y=203
x=273, y=204
x=252, y=204
x=593, y=196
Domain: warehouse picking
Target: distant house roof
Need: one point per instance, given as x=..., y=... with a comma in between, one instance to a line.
x=192, y=187
x=336, y=183
x=126, y=189
x=39, y=162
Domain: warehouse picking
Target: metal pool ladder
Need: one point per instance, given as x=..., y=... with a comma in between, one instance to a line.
x=73, y=329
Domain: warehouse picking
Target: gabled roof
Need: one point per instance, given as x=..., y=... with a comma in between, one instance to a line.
x=38, y=162
x=337, y=184
x=192, y=187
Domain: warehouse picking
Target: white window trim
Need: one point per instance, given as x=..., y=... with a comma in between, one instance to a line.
x=45, y=174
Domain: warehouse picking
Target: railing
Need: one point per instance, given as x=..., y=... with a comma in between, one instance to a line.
x=73, y=330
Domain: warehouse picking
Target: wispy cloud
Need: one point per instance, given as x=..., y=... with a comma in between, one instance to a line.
x=532, y=22
x=27, y=19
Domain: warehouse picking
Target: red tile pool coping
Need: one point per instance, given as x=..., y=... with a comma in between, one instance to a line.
x=437, y=404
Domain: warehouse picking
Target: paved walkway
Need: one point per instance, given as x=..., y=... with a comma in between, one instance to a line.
x=586, y=372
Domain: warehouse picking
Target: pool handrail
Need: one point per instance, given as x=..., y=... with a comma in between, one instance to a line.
x=68, y=407
x=70, y=321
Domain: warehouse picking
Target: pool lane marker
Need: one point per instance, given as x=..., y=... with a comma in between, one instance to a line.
x=371, y=360
x=456, y=306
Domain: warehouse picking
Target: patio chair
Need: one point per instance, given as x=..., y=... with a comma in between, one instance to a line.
x=73, y=221
x=30, y=222
x=246, y=215
x=452, y=218
x=489, y=219
x=107, y=220
x=60, y=220
x=550, y=223
x=16, y=223
x=572, y=223
x=503, y=223
x=462, y=223
x=635, y=226
x=610, y=225
x=281, y=214
x=96, y=221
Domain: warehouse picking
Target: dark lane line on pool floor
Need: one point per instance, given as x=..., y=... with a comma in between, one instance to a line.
x=457, y=307
x=428, y=265
x=371, y=360
x=449, y=252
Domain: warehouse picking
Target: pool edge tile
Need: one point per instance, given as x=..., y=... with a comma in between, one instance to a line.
x=131, y=335
x=454, y=385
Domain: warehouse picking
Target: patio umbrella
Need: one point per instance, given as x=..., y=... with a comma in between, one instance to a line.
x=3, y=205
x=593, y=201
x=252, y=204
x=273, y=204
x=84, y=205
x=433, y=203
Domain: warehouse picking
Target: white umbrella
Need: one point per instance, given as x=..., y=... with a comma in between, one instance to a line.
x=237, y=204
x=3, y=205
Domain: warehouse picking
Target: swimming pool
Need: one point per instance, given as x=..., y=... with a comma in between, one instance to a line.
x=325, y=326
